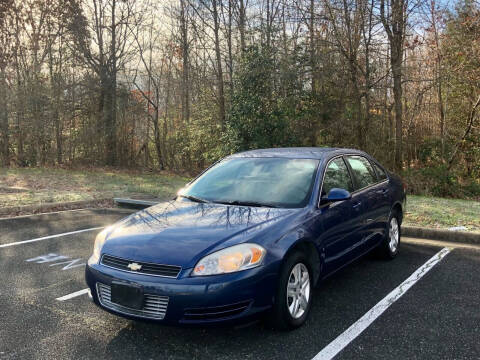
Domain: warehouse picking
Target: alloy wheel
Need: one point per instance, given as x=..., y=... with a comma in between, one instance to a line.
x=298, y=290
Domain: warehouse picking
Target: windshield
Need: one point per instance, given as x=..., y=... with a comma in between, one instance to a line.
x=276, y=182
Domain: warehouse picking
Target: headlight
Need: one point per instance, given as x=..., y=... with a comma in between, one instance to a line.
x=235, y=258
x=97, y=248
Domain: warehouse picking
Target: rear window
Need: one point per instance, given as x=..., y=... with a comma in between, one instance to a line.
x=380, y=172
x=362, y=171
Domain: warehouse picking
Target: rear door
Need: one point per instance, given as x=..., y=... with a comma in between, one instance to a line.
x=382, y=190
x=365, y=180
x=339, y=220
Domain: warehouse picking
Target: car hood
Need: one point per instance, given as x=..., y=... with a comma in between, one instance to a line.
x=182, y=232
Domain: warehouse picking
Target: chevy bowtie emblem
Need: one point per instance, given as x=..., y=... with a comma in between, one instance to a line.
x=134, y=266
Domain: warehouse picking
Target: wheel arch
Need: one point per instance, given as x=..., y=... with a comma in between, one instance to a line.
x=307, y=247
x=397, y=207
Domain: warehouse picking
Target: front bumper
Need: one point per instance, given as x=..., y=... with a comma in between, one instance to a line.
x=193, y=300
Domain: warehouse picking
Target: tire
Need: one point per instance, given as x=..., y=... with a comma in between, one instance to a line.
x=388, y=249
x=281, y=314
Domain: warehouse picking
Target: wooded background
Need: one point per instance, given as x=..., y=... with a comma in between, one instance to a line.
x=175, y=85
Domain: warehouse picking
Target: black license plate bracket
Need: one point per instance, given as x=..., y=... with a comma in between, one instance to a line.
x=128, y=295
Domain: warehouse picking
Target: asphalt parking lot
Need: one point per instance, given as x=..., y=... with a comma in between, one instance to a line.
x=438, y=317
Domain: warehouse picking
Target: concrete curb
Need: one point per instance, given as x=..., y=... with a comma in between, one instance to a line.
x=135, y=203
x=33, y=209
x=441, y=234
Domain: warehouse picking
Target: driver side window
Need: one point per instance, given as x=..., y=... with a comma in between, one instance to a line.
x=336, y=176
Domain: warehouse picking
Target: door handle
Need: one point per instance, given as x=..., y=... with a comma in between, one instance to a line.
x=355, y=206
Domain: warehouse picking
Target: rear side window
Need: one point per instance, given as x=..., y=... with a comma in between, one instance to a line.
x=380, y=172
x=362, y=171
x=336, y=176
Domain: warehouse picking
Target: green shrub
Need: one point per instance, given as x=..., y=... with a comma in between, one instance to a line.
x=438, y=181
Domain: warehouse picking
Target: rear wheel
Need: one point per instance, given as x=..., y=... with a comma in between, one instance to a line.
x=389, y=247
x=294, y=293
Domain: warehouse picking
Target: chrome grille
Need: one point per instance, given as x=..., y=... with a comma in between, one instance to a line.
x=147, y=268
x=154, y=306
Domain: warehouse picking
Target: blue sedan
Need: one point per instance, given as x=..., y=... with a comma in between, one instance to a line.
x=250, y=236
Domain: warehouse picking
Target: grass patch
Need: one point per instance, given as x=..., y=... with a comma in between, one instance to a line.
x=436, y=212
x=32, y=186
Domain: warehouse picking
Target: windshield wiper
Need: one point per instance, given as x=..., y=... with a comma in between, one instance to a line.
x=194, y=198
x=245, y=203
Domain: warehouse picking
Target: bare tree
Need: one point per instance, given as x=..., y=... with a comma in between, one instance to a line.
x=6, y=37
x=103, y=42
x=394, y=20
x=185, y=44
x=433, y=17
x=218, y=56
x=154, y=74
x=352, y=23
x=208, y=12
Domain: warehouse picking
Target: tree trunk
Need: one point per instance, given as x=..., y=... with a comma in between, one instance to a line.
x=156, y=132
x=267, y=27
x=111, y=113
x=438, y=70
x=312, y=47
x=20, y=104
x=4, y=130
x=367, y=35
x=220, y=90
x=394, y=24
x=186, y=64
x=441, y=110
x=397, y=96
x=357, y=101
x=229, y=45
x=54, y=88
x=109, y=121
x=241, y=25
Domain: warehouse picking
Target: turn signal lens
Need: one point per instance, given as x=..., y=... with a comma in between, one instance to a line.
x=256, y=255
x=200, y=268
x=234, y=258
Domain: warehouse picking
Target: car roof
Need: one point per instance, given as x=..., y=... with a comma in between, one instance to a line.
x=298, y=152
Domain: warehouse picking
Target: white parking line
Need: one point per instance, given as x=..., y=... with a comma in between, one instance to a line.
x=44, y=213
x=337, y=345
x=72, y=295
x=49, y=237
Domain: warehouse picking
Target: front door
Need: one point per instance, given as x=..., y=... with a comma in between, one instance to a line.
x=339, y=220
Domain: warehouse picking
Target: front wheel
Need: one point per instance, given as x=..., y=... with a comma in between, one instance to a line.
x=294, y=293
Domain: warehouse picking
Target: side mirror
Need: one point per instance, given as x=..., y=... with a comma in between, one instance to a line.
x=336, y=194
